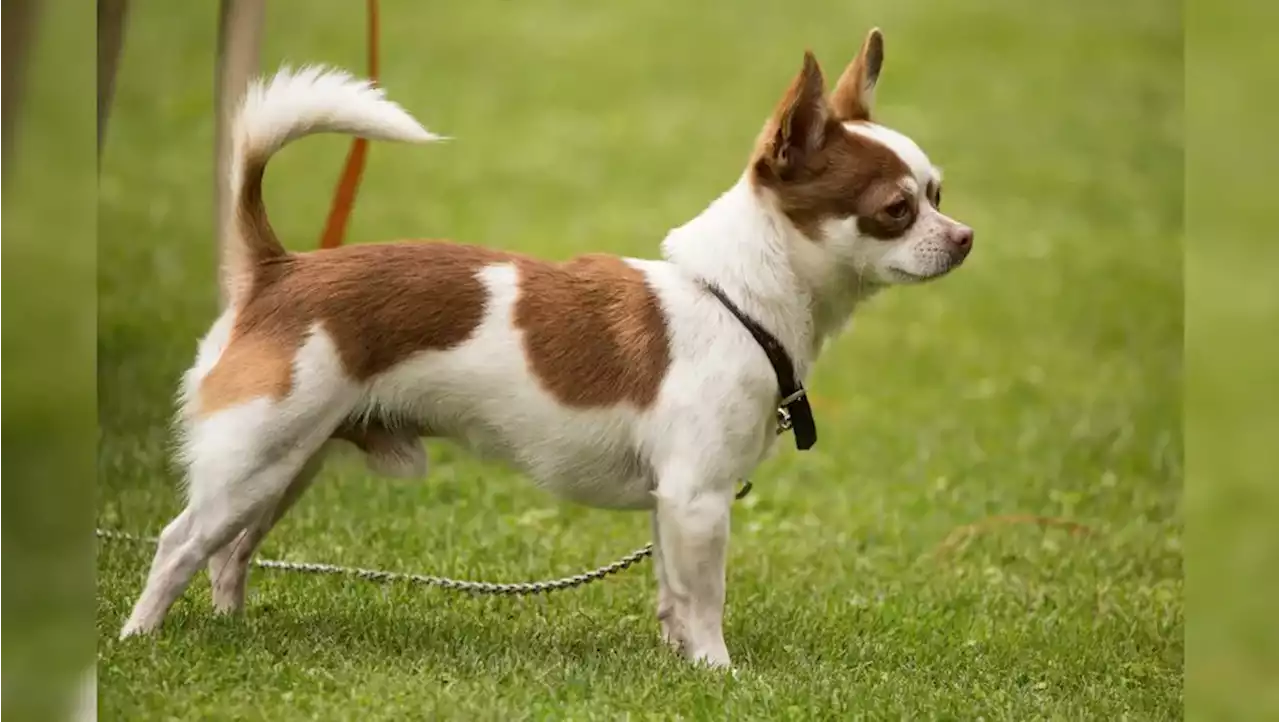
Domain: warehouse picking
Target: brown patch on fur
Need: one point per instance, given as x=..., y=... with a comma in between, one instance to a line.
x=594, y=332
x=255, y=242
x=850, y=175
x=855, y=90
x=888, y=211
x=379, y=303
x=252, y=366
x=797, y=127
x=383, y=303
x=819, y=170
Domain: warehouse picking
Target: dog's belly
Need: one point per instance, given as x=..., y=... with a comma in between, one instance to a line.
x=495, y=410
x=595, y=468
x=590, y=462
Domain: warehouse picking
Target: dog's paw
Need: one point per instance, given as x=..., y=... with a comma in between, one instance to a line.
x=672, y=633
x=136, y=628
x=228, y=597
x=714, y=657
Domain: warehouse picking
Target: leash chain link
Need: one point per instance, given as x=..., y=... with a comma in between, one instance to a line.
x=517, y=589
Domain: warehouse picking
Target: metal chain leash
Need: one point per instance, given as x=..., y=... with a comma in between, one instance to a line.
x=517, y=589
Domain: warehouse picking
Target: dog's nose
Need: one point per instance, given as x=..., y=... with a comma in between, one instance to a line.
x=962, y=237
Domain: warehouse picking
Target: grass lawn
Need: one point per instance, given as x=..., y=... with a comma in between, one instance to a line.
x=1042, y=379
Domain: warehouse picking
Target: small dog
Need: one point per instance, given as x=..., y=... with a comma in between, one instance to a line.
x=614, y=382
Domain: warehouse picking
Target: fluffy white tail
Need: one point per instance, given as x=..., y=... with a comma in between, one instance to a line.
x=291, y=105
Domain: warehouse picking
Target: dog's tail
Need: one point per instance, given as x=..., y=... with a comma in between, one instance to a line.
x=289, y=106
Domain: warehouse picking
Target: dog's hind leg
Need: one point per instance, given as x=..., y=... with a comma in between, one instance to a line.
x=395, y=452
x=241, y=462
x=229, y=566
x=238, y=472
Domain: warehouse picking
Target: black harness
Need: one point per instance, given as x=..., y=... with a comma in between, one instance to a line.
x=793, y=408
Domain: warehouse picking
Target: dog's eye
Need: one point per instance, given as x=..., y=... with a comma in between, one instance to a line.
x=934, y=193
x=898, y=209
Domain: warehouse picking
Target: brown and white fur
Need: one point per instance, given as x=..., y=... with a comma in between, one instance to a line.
x=613, y=382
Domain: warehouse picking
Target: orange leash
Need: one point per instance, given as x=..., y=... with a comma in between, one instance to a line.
x=344, y=196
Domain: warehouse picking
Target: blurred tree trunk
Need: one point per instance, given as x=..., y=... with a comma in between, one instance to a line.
x=111, y=20
x=17, y=27
x=239, y=42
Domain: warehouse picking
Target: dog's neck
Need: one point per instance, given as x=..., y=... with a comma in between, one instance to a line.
x=786, y=282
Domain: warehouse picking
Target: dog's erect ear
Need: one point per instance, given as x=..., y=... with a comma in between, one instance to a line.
x=798, y=125
x=856, y=91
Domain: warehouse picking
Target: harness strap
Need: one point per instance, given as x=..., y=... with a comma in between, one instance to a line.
x=794, y=411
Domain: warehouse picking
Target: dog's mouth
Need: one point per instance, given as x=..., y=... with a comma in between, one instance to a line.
x=901, y=276
x=941, y=267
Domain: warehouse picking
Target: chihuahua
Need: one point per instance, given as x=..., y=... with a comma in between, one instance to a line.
x=613, y=382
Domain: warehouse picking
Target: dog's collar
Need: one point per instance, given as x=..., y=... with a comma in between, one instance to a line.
x=794, y=412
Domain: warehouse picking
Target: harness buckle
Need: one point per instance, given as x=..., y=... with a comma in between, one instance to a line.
x=784, y=414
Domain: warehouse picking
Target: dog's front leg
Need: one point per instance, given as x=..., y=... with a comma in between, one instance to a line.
x=692, y=524
x=668, y=616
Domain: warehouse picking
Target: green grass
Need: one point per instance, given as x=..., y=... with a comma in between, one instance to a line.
x=1044, y=378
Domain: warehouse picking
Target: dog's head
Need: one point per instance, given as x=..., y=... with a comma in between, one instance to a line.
x=866, y=197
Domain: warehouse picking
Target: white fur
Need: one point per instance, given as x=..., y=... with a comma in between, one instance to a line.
x=712, y=422
x=315, y=99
